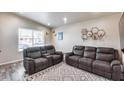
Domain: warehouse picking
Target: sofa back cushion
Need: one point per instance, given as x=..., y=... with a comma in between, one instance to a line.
x=50, y=49
x=105, y=50
x=43, y=50
x=90, y=52
x=78, y=50
x=104, y=57
x=33, y=52
x=105, y=54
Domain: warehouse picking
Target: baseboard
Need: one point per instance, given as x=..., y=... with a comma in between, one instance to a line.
x=11, y=62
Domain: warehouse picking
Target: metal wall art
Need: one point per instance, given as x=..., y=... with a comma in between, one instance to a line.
x=53, y=31
x=94, y=33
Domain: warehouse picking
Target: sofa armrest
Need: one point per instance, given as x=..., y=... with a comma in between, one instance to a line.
x=116, y=70
x=115, y=62
x=59, y=53
x=67, y=55
x=29, y=65
x=49, y=58
x=28, y=59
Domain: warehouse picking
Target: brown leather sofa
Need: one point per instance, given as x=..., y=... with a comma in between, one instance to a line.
x=39, y=58
x=99, y=60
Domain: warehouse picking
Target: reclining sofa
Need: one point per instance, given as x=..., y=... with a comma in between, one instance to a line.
x=99, y=60
x=39, y=58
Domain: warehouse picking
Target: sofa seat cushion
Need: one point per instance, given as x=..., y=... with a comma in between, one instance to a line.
x=74, y=58
x=40, y=61
x=102, y=65
x=86, y=61
x=56, y=57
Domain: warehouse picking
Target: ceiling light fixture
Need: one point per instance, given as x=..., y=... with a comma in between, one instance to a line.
x=48, y=24
x=65, y=20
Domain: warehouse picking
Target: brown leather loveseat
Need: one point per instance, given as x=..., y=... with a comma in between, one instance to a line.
x=99, y=60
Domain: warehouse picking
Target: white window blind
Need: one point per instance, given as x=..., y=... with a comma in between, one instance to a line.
x=29, y=38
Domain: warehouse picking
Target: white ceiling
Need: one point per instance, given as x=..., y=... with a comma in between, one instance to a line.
x=56, y=18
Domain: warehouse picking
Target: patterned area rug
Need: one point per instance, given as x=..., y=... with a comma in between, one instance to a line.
x=64, y=72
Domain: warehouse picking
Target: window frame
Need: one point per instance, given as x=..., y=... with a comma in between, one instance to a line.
x=32, y=31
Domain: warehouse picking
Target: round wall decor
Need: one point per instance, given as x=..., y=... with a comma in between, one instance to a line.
x=94, y=30
x=95, y=33
x=101, y=33
x=89, y=34
x=95, y=37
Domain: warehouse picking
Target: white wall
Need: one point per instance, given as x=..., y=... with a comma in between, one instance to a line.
x=72, y=33
x=9, y=24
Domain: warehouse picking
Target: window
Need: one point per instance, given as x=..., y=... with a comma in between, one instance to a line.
x=30, y=38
